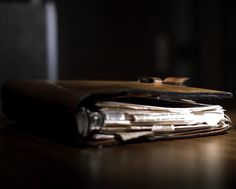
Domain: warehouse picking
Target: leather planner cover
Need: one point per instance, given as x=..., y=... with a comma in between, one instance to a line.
x=94, y=113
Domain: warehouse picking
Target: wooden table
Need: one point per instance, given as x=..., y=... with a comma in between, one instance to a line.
x=30, y=162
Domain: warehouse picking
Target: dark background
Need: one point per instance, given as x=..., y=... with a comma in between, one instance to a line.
x=123, y=40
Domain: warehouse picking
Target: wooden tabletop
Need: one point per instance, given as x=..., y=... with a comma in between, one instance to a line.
x=31, y=162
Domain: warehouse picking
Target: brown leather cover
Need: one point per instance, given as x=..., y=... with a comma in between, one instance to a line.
x=50, y=107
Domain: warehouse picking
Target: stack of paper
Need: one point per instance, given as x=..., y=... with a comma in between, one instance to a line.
x=165, y=119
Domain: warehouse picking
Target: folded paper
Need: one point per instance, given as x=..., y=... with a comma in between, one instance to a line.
x=113, y=112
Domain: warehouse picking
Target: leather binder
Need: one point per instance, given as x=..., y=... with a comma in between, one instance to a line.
x=84, y=112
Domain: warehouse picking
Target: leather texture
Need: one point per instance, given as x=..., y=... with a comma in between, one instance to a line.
x=50, y=107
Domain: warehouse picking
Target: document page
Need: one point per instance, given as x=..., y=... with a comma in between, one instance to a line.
x=132, y=120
